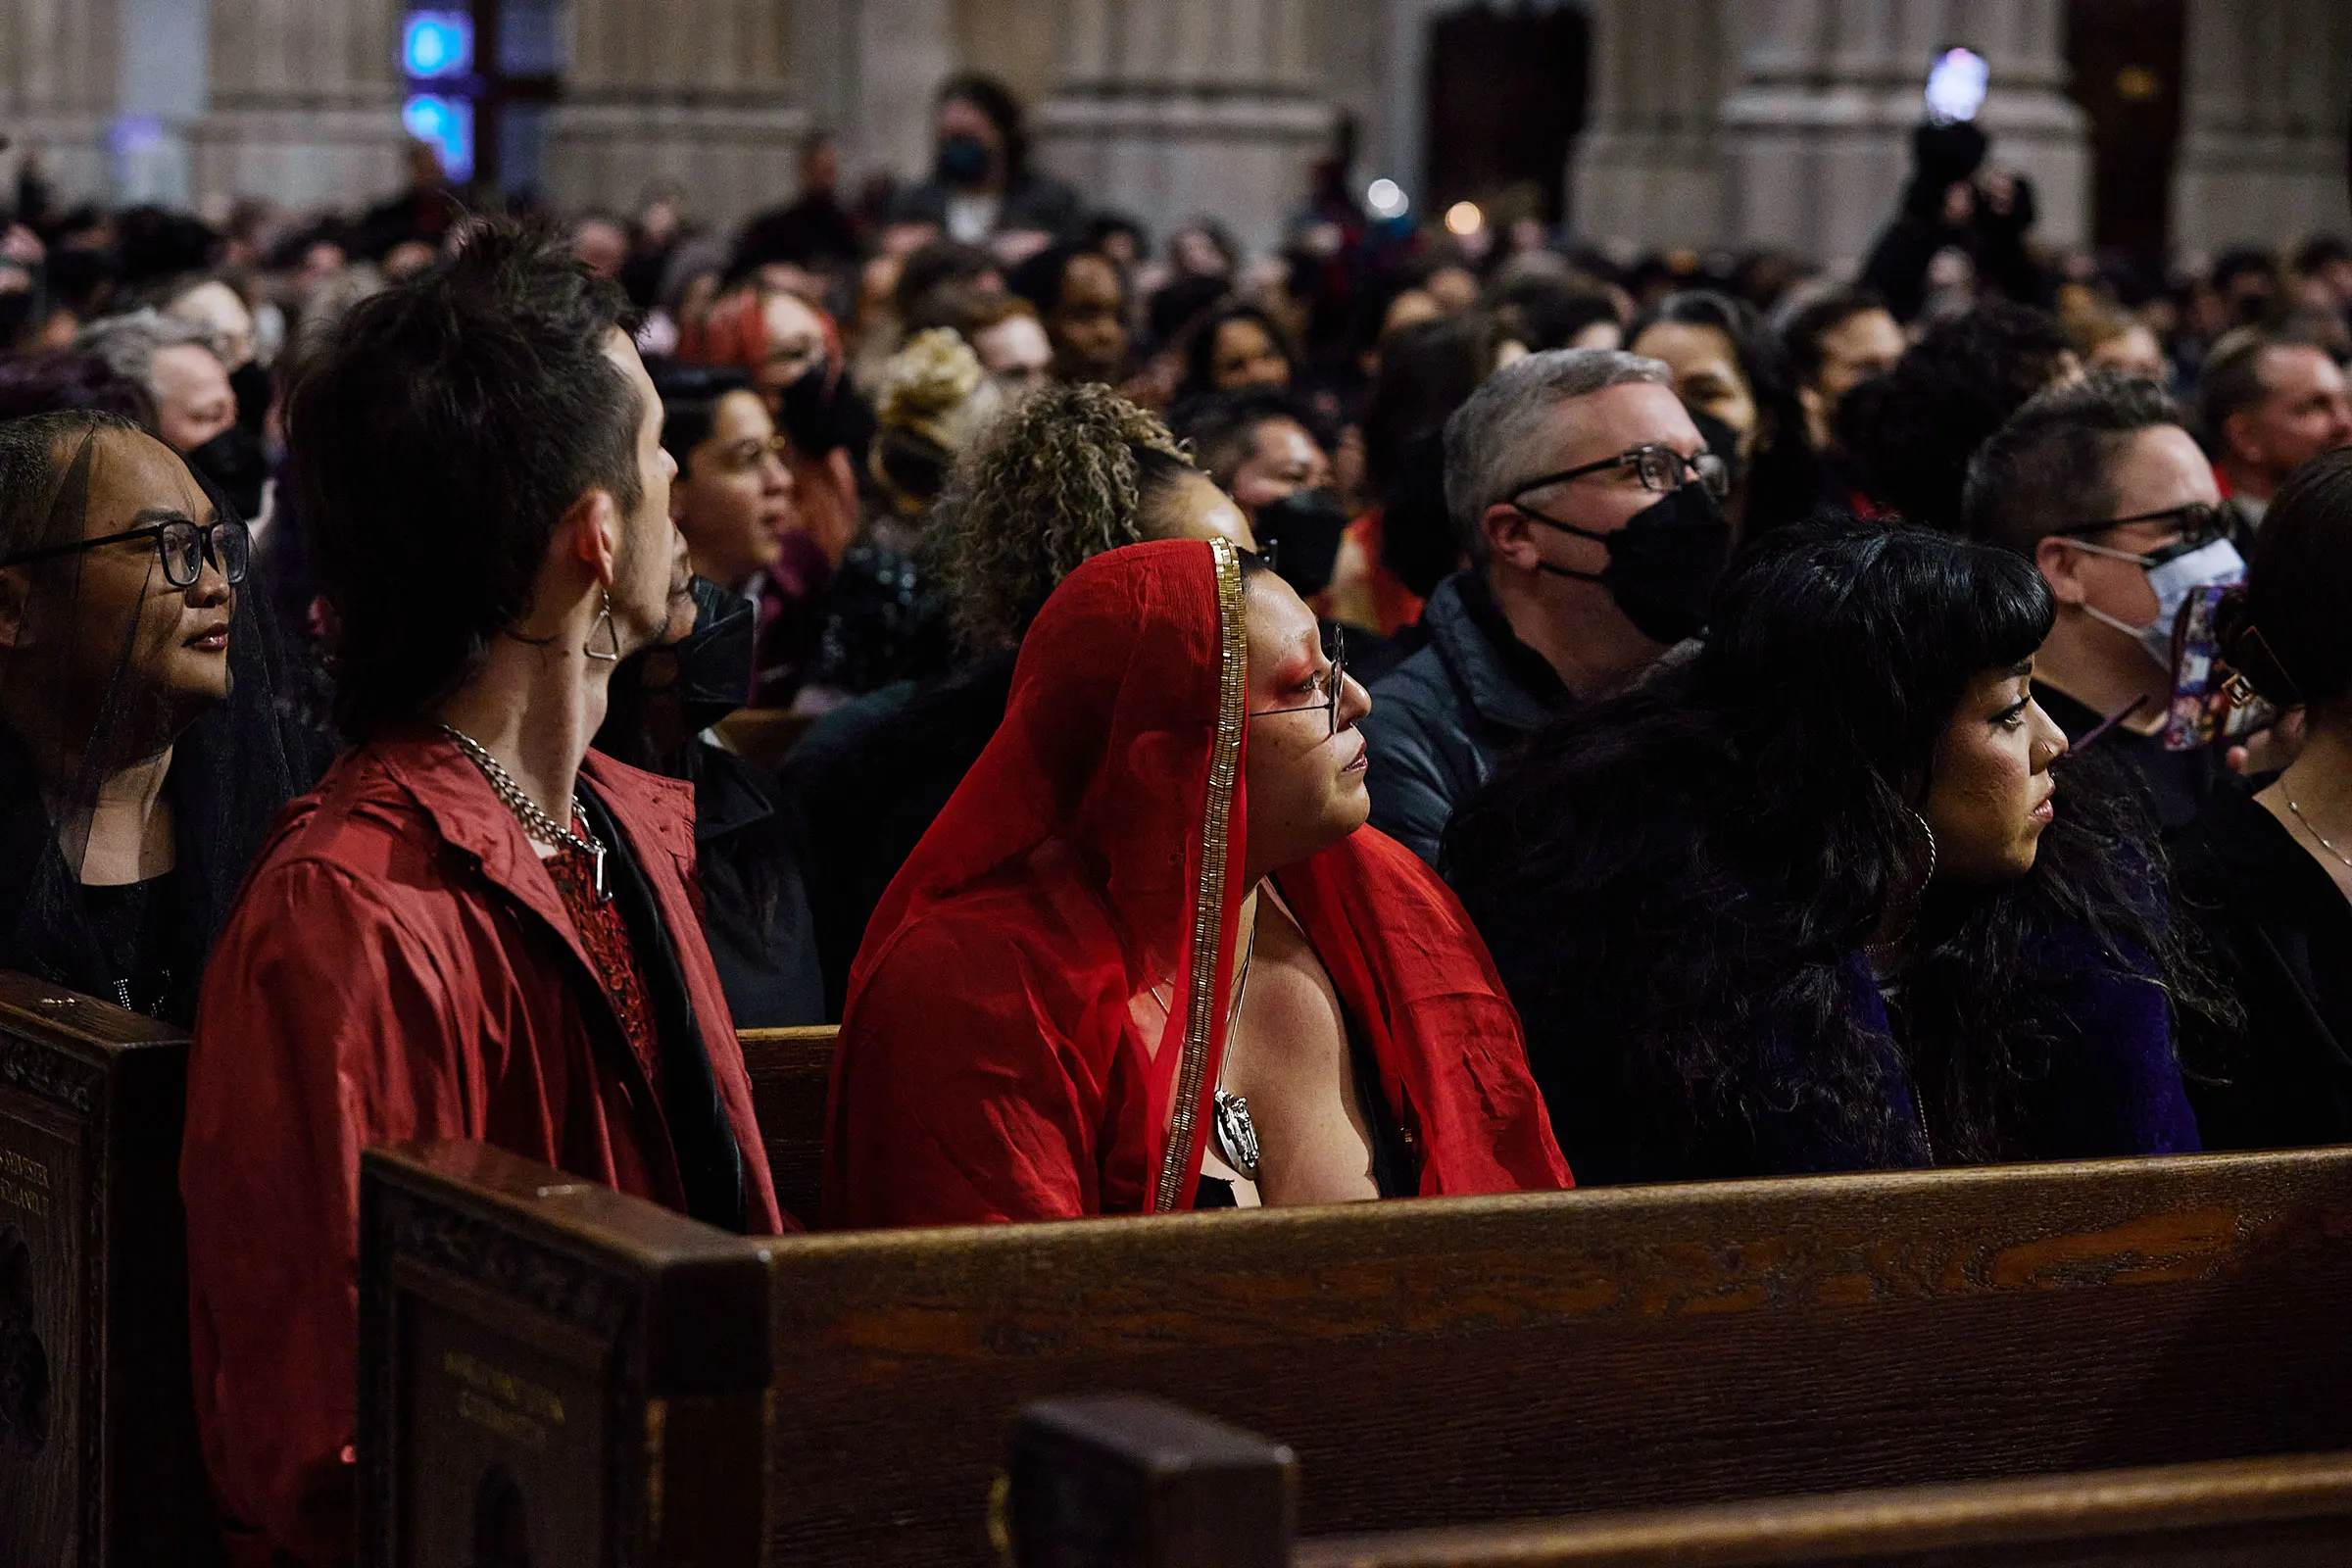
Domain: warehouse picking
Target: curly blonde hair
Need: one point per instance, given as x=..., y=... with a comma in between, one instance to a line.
x=1066, y=474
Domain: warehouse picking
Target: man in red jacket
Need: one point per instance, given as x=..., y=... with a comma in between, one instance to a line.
x=475, y=927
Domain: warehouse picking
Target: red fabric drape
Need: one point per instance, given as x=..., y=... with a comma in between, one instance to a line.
x=1003, y=1055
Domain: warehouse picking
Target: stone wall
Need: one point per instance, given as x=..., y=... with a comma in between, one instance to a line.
x=1770, y=121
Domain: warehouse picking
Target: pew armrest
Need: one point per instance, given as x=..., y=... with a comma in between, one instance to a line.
x=1120, y=1478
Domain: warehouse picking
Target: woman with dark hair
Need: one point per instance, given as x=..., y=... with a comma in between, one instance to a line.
x=1398, y=553
x=143, y=756
x=1235, y=347
x=1728, y=366
x=1804, y=902
x=2268, y=872
x=981, y=181
x=1081, y=297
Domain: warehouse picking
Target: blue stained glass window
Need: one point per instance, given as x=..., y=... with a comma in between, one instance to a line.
x=446, y=125
x=435, y=44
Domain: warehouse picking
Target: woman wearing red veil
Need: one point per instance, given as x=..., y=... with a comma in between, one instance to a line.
x=1150, y=959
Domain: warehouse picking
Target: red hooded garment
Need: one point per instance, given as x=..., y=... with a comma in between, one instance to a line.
x=998, y=1060
x=399, y=965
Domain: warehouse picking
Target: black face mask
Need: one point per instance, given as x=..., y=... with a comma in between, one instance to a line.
x=804, y=409
x=1663, y=564
x=1302, y=531
x=962, y=161
x=715, y=659
x=234, y=461
x=251, y=383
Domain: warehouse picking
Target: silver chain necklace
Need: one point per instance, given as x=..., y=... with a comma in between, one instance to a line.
x=2313, y=831
x=535, y=821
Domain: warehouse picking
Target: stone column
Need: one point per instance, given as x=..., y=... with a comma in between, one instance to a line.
x=695, y=94
x=304, y=103
x=1644, y=172
x=60, y=70
x=2260, y=156
x=1169, y=108
x=1815, y=138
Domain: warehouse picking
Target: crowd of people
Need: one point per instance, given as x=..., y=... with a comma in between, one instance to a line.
x=1413, y=713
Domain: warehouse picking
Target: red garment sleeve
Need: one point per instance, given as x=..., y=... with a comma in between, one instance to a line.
x=969, y=1088
x=314, y=1038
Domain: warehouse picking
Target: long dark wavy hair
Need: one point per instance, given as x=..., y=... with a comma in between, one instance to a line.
x=1686, y=876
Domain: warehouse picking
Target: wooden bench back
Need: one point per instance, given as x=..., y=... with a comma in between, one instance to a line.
x=1126, y=1481
x=789, y=1069
x=1459, y=1361
x=99, y=1462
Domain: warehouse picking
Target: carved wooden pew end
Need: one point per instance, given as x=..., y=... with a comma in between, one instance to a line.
x=99, y=1464
x=552, y=1372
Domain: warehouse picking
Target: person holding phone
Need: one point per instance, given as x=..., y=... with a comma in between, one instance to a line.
x=2097, y=483
x=1954, y=200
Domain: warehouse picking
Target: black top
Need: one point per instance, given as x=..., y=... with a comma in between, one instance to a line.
x=2179, y=785
x=139, y=940
x=755, y=901
x=2284, y=931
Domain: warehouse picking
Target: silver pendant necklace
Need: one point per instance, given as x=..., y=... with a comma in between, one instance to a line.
x=1237, y=1134
x=535, y=821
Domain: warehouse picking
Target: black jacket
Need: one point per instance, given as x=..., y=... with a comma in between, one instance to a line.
x=2284, y=931
x=865, y=785
x=754, y=905
x=1030, y=201
x=1441, y=722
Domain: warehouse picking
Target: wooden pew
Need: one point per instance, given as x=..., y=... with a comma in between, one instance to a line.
x=789, y=1069
x=1459, y=1361
x=99, y=1462
x=1098, y=1482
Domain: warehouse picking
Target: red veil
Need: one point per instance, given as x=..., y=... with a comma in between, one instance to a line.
x=996, y=1061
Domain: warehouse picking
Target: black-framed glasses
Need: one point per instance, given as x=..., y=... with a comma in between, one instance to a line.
x=2200, y=524
x=184, y=546
x=1659, y=468
x=1334, y=681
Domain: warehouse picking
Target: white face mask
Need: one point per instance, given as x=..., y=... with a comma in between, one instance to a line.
x=2215, y=564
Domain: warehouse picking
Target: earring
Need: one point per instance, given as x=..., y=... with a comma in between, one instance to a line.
x=611, y=631
x=1930, y=833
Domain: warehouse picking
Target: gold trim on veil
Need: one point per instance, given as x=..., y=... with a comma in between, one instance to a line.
x=1202, y=1010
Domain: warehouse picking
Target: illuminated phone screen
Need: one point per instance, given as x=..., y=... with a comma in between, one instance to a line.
x=1956, y=84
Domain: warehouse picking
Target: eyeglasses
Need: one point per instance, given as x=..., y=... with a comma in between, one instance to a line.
x=2199, y=525
x=1658, y=468
x=184, y=546
x=1334, y=681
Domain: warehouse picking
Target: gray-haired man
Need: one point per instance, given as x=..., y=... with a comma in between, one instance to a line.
x=1585, y=500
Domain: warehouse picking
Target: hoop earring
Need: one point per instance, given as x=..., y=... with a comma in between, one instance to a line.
x=1930, y=833
x=611, y=631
